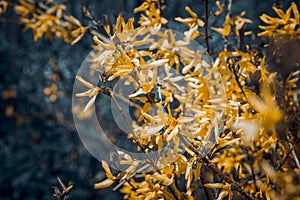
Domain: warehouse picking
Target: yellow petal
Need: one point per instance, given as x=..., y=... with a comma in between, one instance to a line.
x=188, y=9
x=119, y=24
x=279, y=12
x=222, y=195
x=220, y=7
x=154, y=129
x=222, y=31
x=104, y=184
x=268, y=33
x=267, y=19
x=185, y=21
x=90, y=103
x=84, y=94
x=141, y=8
x=75, y=21
x=296, y=12
x=214, y=185
x=257, y=103
x=77, y=39
x=200, y=23
x=87, y=84
x=107, y=170
x=271, y=28
x=142, y=42
x=154, y=64
x=173, y=134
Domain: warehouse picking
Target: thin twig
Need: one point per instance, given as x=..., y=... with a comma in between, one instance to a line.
x=292, y=148
x=242, y=37
x=173, y=193
x=206, y=191
x=214, y=168
x=132, y=132
x=228, y=179
x=295, y=156
x=131, y=176
x=284, y=159
x=236, y=77
x=206, y=37
x=252, y=170
x=150, y=160
x=12, y=21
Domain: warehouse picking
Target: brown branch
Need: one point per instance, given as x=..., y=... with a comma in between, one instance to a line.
x=131, y=176
x=132, y=132
x=252, y=170
x=206, y=36
x=242, y=37
x=206, y=191
x=284, y=159
x=234, y=185
x=12, y=21
x=291, y=151
x=236, y=77
x=150, y=160
x=296, y=159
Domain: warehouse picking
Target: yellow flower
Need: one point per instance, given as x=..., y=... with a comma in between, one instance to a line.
x=78, y=34
x=226, y=189
x=145, y=5
x=284, y=25
x=220, y=8
x=225, y=31
x=92, y=92
x=153, y=17
x=110, y=177
x=266, y=105
x=191, y=21
x=238, y=22
x=24, y=8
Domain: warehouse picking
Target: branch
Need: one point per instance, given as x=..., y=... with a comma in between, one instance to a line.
x=206, y=37
x=234, y=185
x=12, y=21
x=150, y=160
x=252, y=170
x=206, y=191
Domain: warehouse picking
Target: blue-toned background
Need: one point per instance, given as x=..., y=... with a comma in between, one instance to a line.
x=38, y=141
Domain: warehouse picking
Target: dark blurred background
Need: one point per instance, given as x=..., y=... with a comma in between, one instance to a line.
x=38, y=140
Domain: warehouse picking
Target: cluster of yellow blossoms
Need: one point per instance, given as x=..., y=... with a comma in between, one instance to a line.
x=224, y=129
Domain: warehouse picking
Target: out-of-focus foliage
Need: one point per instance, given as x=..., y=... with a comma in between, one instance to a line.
x=47, y=18
x=287, y=23
x=256, y=154
x=3, y=6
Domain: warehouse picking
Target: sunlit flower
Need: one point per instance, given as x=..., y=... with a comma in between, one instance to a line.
x=91, y=93
x=284, y=25
x=153, y=15
x=266, y=105
x=237, y=22
x=192, y=21
x=220, y=8
x=110, y=177
x=225, y=189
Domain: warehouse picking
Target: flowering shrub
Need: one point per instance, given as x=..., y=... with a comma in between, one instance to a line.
x=222, y=125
